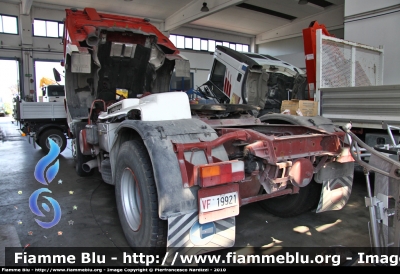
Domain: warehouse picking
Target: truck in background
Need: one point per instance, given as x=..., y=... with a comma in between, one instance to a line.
x=2, y=108
x=42, y=120
x=53, y=93
x=346, y=80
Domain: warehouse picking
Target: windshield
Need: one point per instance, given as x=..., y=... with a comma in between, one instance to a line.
x=56, y=90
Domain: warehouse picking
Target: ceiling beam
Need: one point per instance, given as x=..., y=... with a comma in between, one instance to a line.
x=26, y=7
x=191, y=12
x=332, y=18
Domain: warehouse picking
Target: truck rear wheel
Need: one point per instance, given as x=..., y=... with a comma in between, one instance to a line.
x=54, y=134
x=137, y=200
x=309, y=196
x=294, y=204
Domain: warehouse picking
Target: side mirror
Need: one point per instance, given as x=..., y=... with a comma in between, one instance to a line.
x=57, y=75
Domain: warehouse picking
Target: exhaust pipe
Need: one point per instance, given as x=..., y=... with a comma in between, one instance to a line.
x=88, y=166
x=92, y=37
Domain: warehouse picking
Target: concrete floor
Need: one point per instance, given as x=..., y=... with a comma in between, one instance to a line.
x=95, y=219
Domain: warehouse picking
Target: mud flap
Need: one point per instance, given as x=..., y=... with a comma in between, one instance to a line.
x=187, y=236
x=335, y=190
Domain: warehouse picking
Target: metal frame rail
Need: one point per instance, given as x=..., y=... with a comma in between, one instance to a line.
x=384, y=204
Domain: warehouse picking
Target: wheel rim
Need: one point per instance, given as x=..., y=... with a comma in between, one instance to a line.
x=130, y=195
x=56, y=138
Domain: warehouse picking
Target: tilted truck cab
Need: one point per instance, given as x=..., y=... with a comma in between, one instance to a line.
x=256, y=79
x=181, y=171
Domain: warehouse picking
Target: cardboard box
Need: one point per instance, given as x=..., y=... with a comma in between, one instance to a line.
x=304, y=107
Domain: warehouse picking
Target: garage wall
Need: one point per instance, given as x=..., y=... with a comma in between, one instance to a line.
x=47, y=48
x=9, y=40
x=209, y=34
x=27, y=48
x=354, y=7
x=376, y=23
x=200, y=65
x=201, y=62
x=369, y=22
x=291, y=50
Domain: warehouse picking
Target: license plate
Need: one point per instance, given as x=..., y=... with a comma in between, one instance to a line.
x=218, y=202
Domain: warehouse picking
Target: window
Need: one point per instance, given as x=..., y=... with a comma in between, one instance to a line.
x=211, y=45
x=196, y=43
x=188, y=43
x=44, y=76
x=61, y=29
x=218, y=74
x=8, y=24
x=180, y=42
x=181, y=83
x=45, y=28
x=172, y=38
x=204, y=44
x=56, y=90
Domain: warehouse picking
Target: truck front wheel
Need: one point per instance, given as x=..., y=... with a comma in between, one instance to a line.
x=54, y=134
x=137, y=200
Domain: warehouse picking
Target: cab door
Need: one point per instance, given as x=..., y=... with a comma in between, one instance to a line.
x=45, y=94
x=227, y=82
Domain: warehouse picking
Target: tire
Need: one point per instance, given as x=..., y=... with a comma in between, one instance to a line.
x=56, y=135
x=137, y=200
x=294, y=204
x=79, y=158
x=106, y=173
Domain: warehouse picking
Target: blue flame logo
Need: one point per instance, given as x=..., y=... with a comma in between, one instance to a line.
x=45, y=161
x=35, y=209
x=40, y=171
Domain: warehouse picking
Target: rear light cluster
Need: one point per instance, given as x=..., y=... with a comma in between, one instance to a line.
x=221, y=173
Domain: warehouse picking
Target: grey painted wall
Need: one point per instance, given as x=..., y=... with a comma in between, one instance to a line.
x=376, y=23
x=291, y=50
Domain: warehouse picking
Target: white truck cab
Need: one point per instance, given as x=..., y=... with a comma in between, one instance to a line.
x=53, y=93
x=256, y=79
